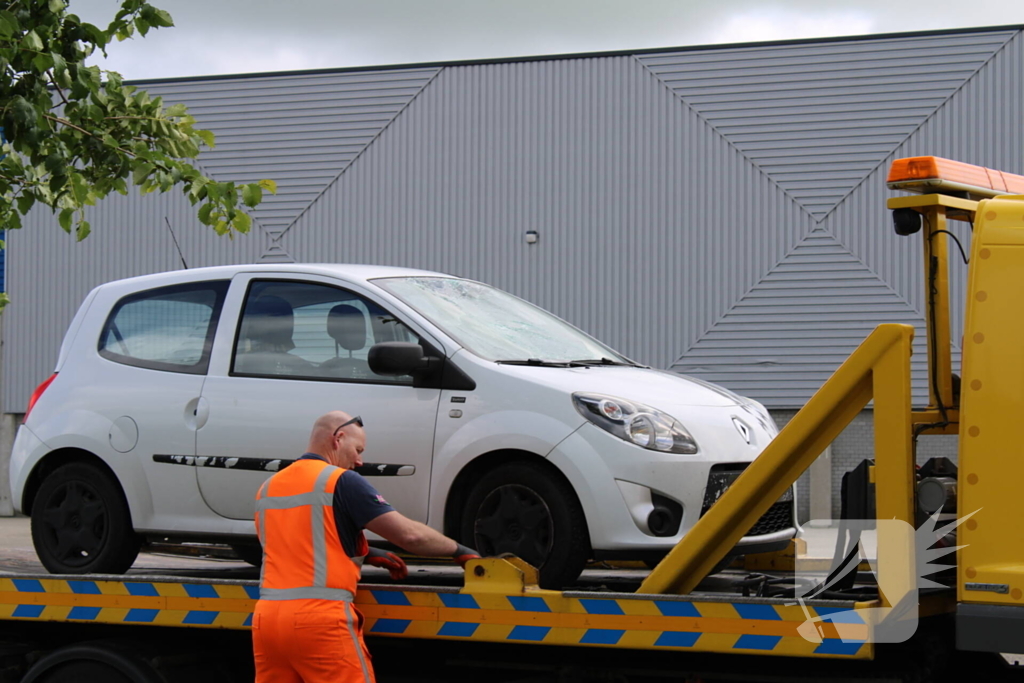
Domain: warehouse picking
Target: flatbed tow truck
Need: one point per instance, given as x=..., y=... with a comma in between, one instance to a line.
x=755, y=621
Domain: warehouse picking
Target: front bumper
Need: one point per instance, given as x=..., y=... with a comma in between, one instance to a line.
x=619, y=485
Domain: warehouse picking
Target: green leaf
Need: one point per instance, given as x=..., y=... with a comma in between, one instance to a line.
x=176, y=110
x=207, y=137
x=83, y=230
x=96, y=35
x=53, y=163
x=24, y=116
x=7, y=27
x=25, y=202
x=214, y=191
x=64, y=218
x=142, y=25
x=13, y=222
x=8, y=19
x=252, y=195
x=141, y=172
x=241, y=222
x=60, y=70
x=268, y=185
x=161, y=18
x=32, y=42
x=197, y=185
x=204, y=214
x=43, y=61
x=57, y=6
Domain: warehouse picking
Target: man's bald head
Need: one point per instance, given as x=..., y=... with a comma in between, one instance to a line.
x=341, y=448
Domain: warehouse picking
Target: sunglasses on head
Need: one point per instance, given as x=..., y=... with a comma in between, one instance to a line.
x=355, y=420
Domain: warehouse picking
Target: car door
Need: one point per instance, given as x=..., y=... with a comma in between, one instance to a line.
x=155, y=348
x=300, y=350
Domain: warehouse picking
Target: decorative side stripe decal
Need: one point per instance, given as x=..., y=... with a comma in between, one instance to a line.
x=370, y=469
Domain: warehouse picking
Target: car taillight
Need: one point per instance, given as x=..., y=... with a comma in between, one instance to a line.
x=36, y=394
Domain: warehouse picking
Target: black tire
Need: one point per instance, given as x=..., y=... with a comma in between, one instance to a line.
x=525, y=509
x=81, y=523
x=253, y=554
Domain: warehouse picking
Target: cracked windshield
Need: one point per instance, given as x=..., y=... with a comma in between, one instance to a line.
x=494, y=324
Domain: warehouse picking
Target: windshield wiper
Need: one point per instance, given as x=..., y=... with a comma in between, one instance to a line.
x=603, y=361
x=537, y=362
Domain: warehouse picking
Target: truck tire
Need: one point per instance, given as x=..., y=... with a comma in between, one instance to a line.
x=164, y=659
x=525, y=509
x=81, y=523
x=88, y=662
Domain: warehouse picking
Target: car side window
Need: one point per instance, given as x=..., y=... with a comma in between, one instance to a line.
x=167, y=328
x=306, y=330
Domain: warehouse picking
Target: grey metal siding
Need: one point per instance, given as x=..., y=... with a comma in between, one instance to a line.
x=300, y=131
x=719, y=211
x=639, y=243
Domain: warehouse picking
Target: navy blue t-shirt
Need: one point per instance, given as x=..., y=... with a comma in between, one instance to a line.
x=356, y=504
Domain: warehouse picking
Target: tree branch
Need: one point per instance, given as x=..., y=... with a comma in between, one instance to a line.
x=65, y=122
x=60, y=91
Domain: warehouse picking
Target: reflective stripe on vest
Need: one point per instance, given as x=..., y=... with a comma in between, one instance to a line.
x=316, y=500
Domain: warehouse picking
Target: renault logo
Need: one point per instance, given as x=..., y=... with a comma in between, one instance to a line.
x=742, y=428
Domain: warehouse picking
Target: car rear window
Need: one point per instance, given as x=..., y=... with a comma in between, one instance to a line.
x=168, y=328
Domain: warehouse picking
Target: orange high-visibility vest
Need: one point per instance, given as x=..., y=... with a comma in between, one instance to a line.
x=302, y=553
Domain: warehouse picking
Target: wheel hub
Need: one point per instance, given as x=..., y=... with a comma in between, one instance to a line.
x=515, y=519
x=75, y=520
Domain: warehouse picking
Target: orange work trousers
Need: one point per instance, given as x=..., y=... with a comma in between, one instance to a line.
x=309, y=641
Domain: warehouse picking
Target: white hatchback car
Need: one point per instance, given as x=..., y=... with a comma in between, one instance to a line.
x=176, y=395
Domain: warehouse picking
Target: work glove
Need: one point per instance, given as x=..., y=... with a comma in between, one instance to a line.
x=463, y=555
x=393, y=563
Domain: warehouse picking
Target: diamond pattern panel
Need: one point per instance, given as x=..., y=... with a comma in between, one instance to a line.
x=300, y=130
x=818, y=292
x=818, y=118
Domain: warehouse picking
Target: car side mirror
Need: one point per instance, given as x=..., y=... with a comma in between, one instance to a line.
x=399, y=358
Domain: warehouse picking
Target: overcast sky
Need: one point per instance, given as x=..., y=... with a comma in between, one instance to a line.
x=236, y=36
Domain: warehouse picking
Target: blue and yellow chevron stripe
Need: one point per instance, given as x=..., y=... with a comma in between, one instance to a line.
x=622, y=621
x=533, y=616
x=128, y=602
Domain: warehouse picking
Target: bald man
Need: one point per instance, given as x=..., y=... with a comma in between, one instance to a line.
x=310, y=519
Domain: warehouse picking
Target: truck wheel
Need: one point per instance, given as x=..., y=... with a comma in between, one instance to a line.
x=88, y=662
x=81, y=523
x=520, y=508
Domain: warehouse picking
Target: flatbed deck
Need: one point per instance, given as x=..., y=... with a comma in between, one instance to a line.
x=496, y=604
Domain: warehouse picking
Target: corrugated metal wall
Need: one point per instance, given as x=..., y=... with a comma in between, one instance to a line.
x=719, y=210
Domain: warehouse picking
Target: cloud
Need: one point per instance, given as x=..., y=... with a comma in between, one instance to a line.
x=774, y=23
x=233, y=36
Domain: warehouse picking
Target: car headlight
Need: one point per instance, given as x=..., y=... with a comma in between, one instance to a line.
x=635, y=422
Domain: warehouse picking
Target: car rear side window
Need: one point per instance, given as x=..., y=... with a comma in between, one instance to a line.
x=168, y=328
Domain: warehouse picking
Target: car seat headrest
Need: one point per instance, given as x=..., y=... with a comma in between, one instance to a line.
x=271, y=323
x=347, y=325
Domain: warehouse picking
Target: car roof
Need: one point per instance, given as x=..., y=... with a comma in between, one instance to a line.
x=349, y=271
